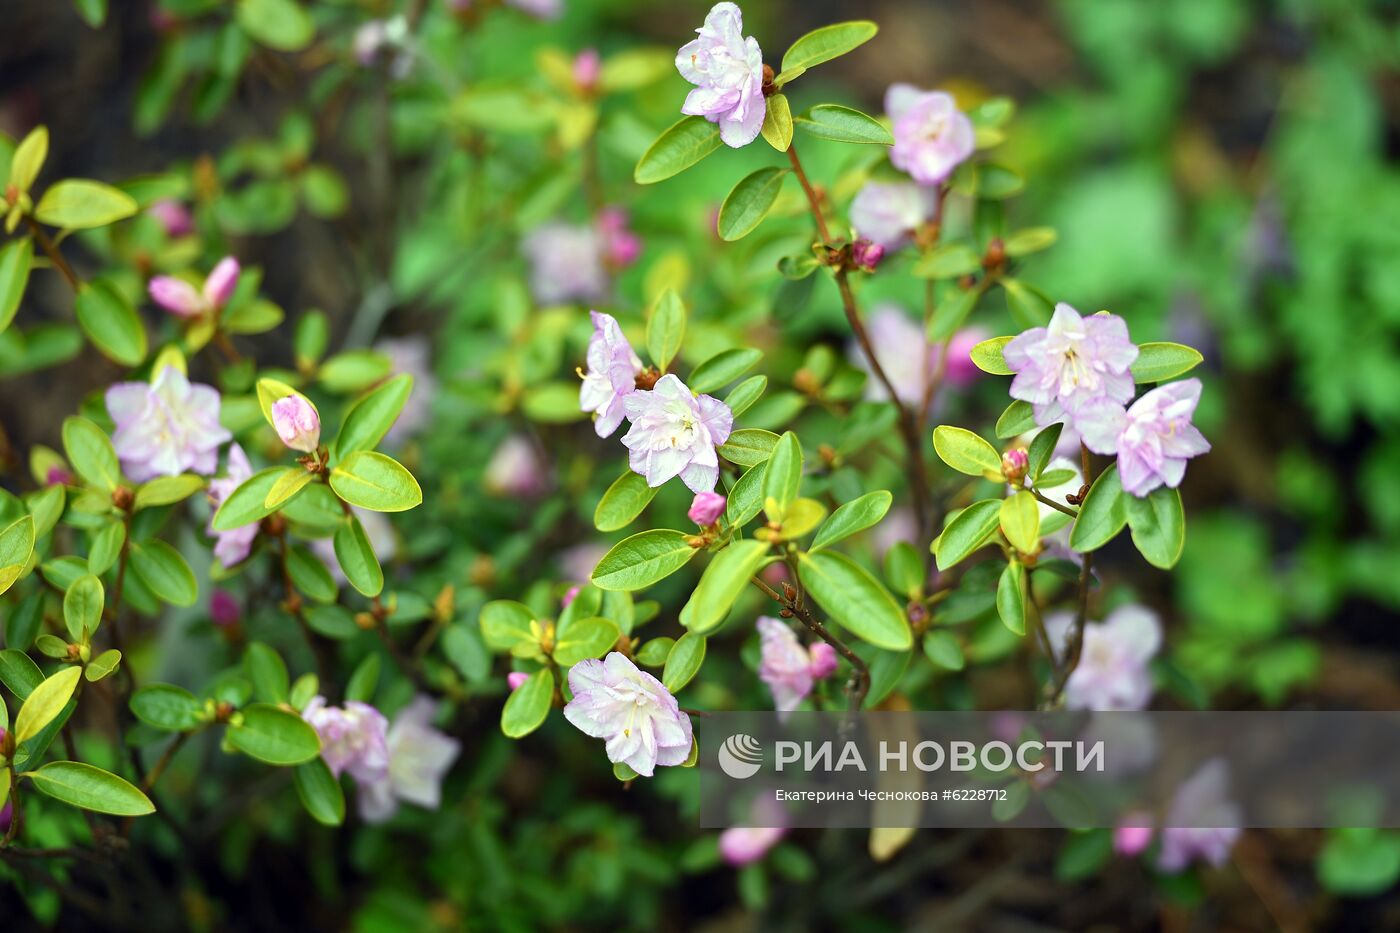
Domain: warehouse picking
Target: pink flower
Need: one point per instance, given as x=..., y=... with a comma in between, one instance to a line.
x=516, y=679
x=1113, y=671
x=59, y=476
x=224, y=610
x=1073, y=361
x=1202, y=822
x=931, y=135
x=887, y=213
x=613, y=367
x=1133, y=835
x=419, y=758
x=903, y=352
x=232, y=546
x=411, y=355
x=515, y=469
x=166, y=427
x=674, y=433
x=566, y=263
x=867, y=255
x=706, y=508
x=587, y=68
x=786, y=667
x=181, y=298
x=640, y=719
x=620, y=245
x=352, y=738
x=297, y=423
x=727, y=71
x=959, y=369
x=569, y=596
x=741, y=845
x=173, y=217
x=1153, y=439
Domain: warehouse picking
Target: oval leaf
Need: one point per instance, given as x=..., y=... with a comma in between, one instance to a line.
x=720, y=585
x=844, y=125
x=965, y=451
x=643, y=559
x=828, y=42
x=88, y=788
x=855, y=516
x=374, y=481
x=684, y=661
x=967, y=532
x=528, y=705
x=273, y=735
x=749, y=202
x=682, y=145
x=1158, y=524
x=623, y=502
x=1103, y=514
x=1158, y=362
x=111, y=323
x=855, y=599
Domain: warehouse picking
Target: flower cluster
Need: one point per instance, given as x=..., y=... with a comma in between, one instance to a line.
x=1078, y=370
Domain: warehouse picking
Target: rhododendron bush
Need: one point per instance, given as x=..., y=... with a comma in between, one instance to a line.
x=458, y=401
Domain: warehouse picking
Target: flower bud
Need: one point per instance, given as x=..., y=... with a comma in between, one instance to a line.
x=706, y=508
x=1130, y=840
x=569, y=596
x=516, y=679
x=1014, y=464
x=223, y=609
x=218, y=288
x=867, y=255
x=297, y=423
x=176, y=296
x=587, y=68
x=172, y=216
x=824, y=660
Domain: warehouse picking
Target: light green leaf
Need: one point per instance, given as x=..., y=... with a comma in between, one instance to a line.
x=684, y=661
x=16, y=259
x=682, y=145
x=623, y=502
x=855, y=599
x=1020, y=521
x=283, y=25
x=374, y=481
x=527, y=706
x=369, y=419
x=655, y=652
x=743, y=395
x=949, y=261
x=1011, y=597
x=723, y=368
x=1102, y=515
x=748, y=447
x=987, y=356
x=965, y=451
x=320, y=793
x=783, y=477
x=1018, y=418
x=19, y=673
x=746, y=498
x=29, y=158
x=291, y=481
x=167, y=707
x=357, y=558
x=16, y=546
x=971, y=529
x=82, y=607
x=164, y=572
x=843, y=125
x=641, y=560
x=247, y=503
x=79, y=204
x=749, y=202
x=167, y=490
x=111, y=323
x=44, y=703
x=90, y=451
x=1158, y=362
x=580, y=638
x=310, y=576
x=1158, y=524
x=777, y=123
x=666, y=329
x=354, y=370
x=88, y=788
x=46, y=505
x=1030, y=240
x=268, y=673
x=1042, y=448
x=944, y=651
x=854, y=516
x=1029, y=306
x=828, y=42
x=506, y=623
x=727, y=575
x=273, y=736
x=103, y=665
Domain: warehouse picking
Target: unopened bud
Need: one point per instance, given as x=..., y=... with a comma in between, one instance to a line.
x=706, y=508
x=297, y=423
x=516, y=679
x=123, y=498
x=1014, y=464
x=866, y=255
x=995, y=257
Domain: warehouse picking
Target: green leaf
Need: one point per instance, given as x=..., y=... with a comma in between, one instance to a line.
x=357, y=558
x=46, y=505
x=844, y=125
x=88, y=788
x=1102, y=515
x=289, y=482
x=746, y=497
x=167, y=490
x=1042, y=448
x=723, y=368
x=528, y=705
x=1018, y=418
x=965, y=451
x=748, y=447
x=369, y=419
x=749, y=202
x=949, y=261
x=79, y=204
x=364, y=680
x=1030, y=240
x=997, y=182
x=828, y=42
x=16, y=547
x=682, y=145
x=377, y=482
x=623, y=502
x=552, y=403
x=855, y=599
x=16, y=259
x=271, y=391
x=164, y=572
x=310, y=576
x=1158, y=362
x=580, y=638
x=90, y=451
x=44, y=703
x=684, y=661
x=93, y=12
x=904, y=569
x=987, y=356
x=82, y=607
x=641, y=560
x=505, y=623
x=1020, y=521
x=743, y=395
x=783, y=478
x=857, y=515
x=1029, y=306
x=278, y=24
x=353, y=370
x=248, y=503
x=273, y=736
x=777, y=123
x=111, y=323
x=1158, y=524
x=19, y=673
x=944, y=651
x=251, y=317
x=320, y=793
x=655, y=652
x=952, y=312
x=268, y=673
x=103, y=665
x=967, y=532
x=167, y=707
x=1011, y=597
x=29, y=158
x=724, y=579
x=666, y=329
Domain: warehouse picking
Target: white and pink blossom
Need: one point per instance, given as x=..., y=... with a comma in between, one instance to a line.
x=1071, y=362
x=931, y=135
x=674, y=433
x=727, y=71
x=640, y=719
x=1153, y=439
x=166, y=427
x=419, y=758
x=613, y=367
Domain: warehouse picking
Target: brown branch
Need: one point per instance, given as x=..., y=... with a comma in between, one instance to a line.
x=52, y=251
x=859, y=684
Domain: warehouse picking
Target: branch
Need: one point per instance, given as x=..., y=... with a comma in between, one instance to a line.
x=53, y=253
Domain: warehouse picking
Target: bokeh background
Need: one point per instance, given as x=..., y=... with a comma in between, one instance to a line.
x=1220, y=172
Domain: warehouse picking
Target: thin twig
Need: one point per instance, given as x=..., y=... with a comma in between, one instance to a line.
x=860, y=680
x=53, y=253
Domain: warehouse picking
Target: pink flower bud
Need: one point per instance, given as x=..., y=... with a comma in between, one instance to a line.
x=706, y=508
x=824, y=660
x=569, y=596
x=960, y=370
x=223, y=609
x=867, y=255
x=297, y=423
x=218, y=288
x=1130, y=840
x=587, y=67
x=1014, y=464
x=743, y=845
x=176, y=296
x=58, y=476
x=516, y=680
x=621, y=246
x=7, y=813
x=173, y=216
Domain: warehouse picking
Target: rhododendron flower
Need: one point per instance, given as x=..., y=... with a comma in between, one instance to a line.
x=587, y=68
x=674, y=433
x=1153, y=439
x=352, y=738
x=640, y=719
x=231, y=546
x=786, y=667
x=297, y=423
x=727, y=71
x=419, y=758
x=742, y=845
x=931, y=135
x=620, y=245
x=182, y=299
x=706, y=508
x=1113, y=669
x=613, y=367
x=1202, y=822
x=1131, y=839
x=411, y=355
x=887, y=213
x=902, y=351
x=566, y=263
x=515, y=468
x=1073, y=361
x=172, y=216
x=166, y=427
x=866, y=255
x=569, y=596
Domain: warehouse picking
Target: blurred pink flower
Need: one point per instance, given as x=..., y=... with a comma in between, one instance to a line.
x=640, y=719
x=515, y=469
x=352, y=738
x=182, y=299
x=224, y=610
x=888, y=213
x=166, y=427
x=866, y=255
x=566, y=263
x=903, y=352
x=419, y=758
x=959, y=370
x=587, y=68
x=786, y=667
x=516, y=679
x=411, y=355
x=1113, y=672
x=706, y=508
x=231, y=546
x=727, y=71
x=931, y=135
x=173, y=216
x=1133, y=835
x=1202, y=822
x=620, y=245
